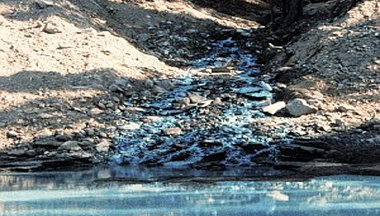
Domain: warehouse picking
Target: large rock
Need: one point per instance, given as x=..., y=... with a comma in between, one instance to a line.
x=299, y=107
x=274, y=108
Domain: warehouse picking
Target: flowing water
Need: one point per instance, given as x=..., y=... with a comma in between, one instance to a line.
x=209, y=133
x=134, y=191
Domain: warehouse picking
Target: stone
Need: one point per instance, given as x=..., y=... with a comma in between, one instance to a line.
x=89, y=132
x=47, y=143
x=51, y=28
x=184, y=101
x=345, y=108
x=158, y=90
x=70, y=146
x=122, y=82
x=194, y=98
x=148, y=83
x=103, y=146
x=12, y=134
x=115, y=88
x=166, y=84
x=63, y=137
x=95, y=111
x=266, y=86
x=299, y=107
x=129, y=126
x=217, y=101
x=274, y=108
x=101, y=105
x=17, y=152
x=173, y=131
x=205, y=103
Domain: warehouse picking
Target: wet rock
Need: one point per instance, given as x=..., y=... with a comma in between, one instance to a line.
x=218, y=156
x=274, y=108
x=166, y=84
x=103, y=146
x=299, y=107
x=180, y=156
x=70, y=146
x=12, y=134
x=63, y=137
x=266, y=86
x=195, y=99
x=173, y=131
x=115, y=88
x=17, y=152
x=184, y=101
x=158, y=90
x=148, y=83
x=253, y=147
x=301, y=153
x=31, y=153
x=47, y=143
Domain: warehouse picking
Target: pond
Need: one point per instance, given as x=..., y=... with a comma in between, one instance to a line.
x=158, y=191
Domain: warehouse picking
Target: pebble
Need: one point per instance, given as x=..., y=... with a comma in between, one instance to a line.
x=63, y=137
x=217, y=101
x=274, y=108
x=158, y=90
x=12, y=134
x=96, y=111
x=195, y=99
x=103, y=146
x=173, y=131
x=129, y=126
x=115, y=88
x=166, y=84
x=70, y=146
x=148, y=83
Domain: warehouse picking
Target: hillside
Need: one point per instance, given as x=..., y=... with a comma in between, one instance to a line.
x=77, y=75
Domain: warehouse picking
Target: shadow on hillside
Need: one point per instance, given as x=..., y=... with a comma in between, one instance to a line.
x=173, y=38
x=257, y=11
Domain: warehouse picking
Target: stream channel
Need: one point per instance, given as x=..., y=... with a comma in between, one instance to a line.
x=207, y=118
x=203, y=121
x=163, y=191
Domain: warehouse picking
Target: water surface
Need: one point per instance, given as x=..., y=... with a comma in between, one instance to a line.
x=133, y=191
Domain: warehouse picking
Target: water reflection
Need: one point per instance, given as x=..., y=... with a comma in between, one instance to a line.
x=78, y=193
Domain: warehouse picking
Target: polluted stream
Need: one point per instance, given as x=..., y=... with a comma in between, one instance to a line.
x=144, y=191
x=206, y=119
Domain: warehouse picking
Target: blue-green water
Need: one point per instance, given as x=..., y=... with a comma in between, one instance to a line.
x=85, y=193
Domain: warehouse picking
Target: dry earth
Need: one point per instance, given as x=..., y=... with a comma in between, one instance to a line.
x=60, y=61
